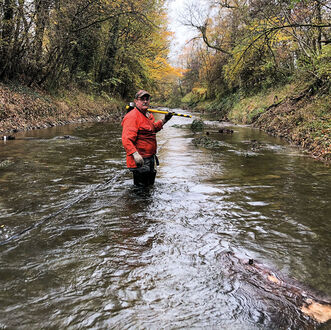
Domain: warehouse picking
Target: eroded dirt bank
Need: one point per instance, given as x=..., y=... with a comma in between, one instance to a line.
x=301, y=121
x=23, y=108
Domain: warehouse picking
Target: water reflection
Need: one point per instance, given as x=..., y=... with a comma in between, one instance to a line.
x=169, y=256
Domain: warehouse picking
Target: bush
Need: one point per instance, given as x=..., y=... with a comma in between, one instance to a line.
x=323, y=64
x=195, y=96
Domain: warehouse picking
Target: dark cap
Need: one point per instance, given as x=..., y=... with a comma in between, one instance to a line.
x=141, y=93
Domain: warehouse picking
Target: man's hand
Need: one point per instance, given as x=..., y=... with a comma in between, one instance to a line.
x=138, y=159
x=167, y=117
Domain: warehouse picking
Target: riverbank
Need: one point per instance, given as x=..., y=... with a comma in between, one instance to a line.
x=23, y=108
x=298, y=113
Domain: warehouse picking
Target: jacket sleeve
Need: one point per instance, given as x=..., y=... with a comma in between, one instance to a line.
x=157, y=125
x=129, y=134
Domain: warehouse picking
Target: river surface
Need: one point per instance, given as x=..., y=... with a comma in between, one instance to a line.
x=82, y=248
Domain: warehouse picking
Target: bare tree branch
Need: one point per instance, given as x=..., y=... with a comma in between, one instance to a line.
x=203, y=31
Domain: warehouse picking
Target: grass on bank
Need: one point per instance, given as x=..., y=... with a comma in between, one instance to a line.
x=247, y=109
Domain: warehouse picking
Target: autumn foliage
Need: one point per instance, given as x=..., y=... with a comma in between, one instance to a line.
x=109, y=46
x=247, y=46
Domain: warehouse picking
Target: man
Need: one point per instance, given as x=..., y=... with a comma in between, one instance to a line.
x=139, y=140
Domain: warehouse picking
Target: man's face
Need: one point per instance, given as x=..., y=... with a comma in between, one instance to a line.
x=142, y=103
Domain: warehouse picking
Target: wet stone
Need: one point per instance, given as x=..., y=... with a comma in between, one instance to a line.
x=206, y=142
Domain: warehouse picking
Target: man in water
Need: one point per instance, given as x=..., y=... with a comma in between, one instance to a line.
x=139, y=140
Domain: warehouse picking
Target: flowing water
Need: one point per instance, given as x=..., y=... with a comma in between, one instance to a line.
x=82, y=248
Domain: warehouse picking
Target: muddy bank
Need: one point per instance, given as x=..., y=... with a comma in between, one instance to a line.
x=23, y=108
x=298, y=112
x=301, y=122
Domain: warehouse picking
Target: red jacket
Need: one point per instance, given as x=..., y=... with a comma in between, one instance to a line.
x=139, y=134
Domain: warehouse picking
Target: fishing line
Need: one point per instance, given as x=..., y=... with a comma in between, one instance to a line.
x=66, y=207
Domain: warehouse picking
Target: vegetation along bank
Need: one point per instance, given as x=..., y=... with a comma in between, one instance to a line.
x=23, y=108
x=298, y=113
x=265, y=63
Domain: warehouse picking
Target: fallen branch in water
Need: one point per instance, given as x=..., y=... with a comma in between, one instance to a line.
x=318, y=310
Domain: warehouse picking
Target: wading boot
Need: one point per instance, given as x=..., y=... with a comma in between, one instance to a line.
x=151, y=178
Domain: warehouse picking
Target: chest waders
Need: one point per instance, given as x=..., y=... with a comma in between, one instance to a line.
x=144, y=175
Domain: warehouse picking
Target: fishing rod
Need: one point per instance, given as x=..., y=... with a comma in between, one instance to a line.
x=130, y=107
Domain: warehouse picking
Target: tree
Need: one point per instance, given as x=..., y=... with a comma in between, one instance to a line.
x=259, y=43
x=113, y=46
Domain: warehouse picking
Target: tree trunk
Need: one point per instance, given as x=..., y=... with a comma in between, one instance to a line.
x=42, y=15
x=106, y=68
x=6, y=37
x=319, y=21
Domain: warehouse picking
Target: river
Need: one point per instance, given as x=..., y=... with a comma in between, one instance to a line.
x=82, y=248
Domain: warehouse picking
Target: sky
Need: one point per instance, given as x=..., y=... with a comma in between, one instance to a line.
x=176, y=10
x=177, y=13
